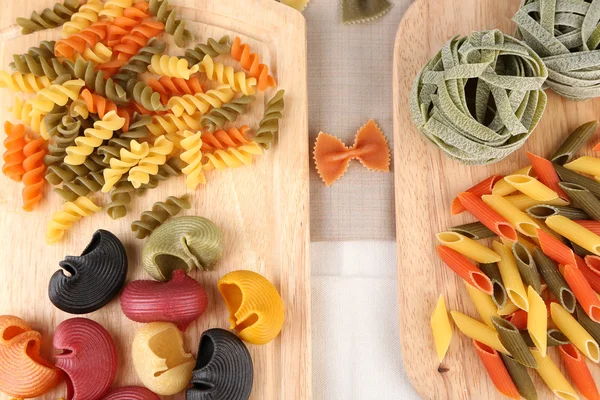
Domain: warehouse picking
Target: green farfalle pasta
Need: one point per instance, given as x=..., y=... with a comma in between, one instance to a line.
x=565, y=35
x=357, y=11
x=268, y=127
x=49, y=18
x=173, y=26
x=228, y=112
x=480, y=97
x=211, y=48
x=160, y=212
x=144, y=94
x=138, y=64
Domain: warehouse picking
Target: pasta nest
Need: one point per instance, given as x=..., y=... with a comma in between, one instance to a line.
x=56, y=95
x=157, y=155
x=238, y=81
x=201, y=102
x=173, y=66
x=19, y=82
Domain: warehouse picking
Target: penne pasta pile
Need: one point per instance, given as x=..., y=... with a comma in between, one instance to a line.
x=537, y=286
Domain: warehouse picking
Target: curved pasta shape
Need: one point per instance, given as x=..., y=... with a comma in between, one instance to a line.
x=212, y=48
x=223, y=139
x=255, y=307
x=182, y=300
x=56, y=95
x=23, y=111
x=13, y=155
x=18, y=82
x=122, y=26
x=238, y=81
x=144, y=95
x=182, y=243
x=223, y=370
x=228, y=112
x=192, y=156
x=251, y=63
x=173, y=26
x=232, y=157
x=60, y=173
x=131, y=393
x=268, y=127
x=81, y=186
x=49, y=18
x=64, y=219
x=89, y=358
x=201, y=102
x=100, y=105
x=78, y=42
x=171, y=66
x=33, y=178
x=120, y=166
x=95, y=277
x=94, y=80
x=23, y=371
x=170, y=124
x=138, y=64
x=168, y=86
x=160, y=360
x=51, y=67
x=45, y=48
x=161, y=211
x=85, y=145
x=87, y=14
x=99, y=54
x=138, y=38
x=114, y=8
x=147, y=166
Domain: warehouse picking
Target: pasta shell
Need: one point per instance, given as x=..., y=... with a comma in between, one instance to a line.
x=131, y=393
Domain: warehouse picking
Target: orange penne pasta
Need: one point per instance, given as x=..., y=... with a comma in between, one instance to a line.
x=596, y=147
x=490, y=218
x=463, y=268
x=579, y=371
x=547, y=174
x=482, y=188
x=518, y=319
x=583, y=292
x=591, y=225
x=592, y=277
x=555, y=249
x=593, y=263
x=496, y=370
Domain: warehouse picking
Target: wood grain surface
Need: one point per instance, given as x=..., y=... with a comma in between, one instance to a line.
x=262, y=209
x=427, y=181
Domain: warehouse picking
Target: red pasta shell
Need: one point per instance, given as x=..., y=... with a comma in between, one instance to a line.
x=180, y=301
x=131, y=393
x=89, y=358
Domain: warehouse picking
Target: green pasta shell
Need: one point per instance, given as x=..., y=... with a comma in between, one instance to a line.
x=182, y=243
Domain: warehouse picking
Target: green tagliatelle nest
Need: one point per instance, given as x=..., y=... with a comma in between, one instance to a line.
x=566, y=34
x=480, y=97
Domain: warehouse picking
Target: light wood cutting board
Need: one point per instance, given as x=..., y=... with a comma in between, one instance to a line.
x=426, y=182
x=261, y=209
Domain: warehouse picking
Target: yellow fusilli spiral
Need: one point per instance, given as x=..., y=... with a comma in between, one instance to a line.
x=201, y=102
x=169, y=124
x=233, y=157
x=23, y=111
x=28, y=83
x=192, y=156
x=147, y=166
x=120, y=166
x=238, y=81
x=99, y=55
x=174, y=67
x=71, y=213
x=56, y=94
x=85, y=145
x=87, y=14
x=114, y=8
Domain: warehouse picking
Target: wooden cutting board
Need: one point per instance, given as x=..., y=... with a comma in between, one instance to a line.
x=262, y=209
x=427, y=181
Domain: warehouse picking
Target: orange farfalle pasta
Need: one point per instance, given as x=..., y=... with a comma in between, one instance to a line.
x=221, y=139
x=33, y=179
x=138, y=38
x=13, y=156
x=465, y=269
x=492, y=362
x=370, y=148
x=251, y=63
x=168, y=86
x=482, y=188
x=77, y=43
x=123, y=25
x=579, y=371
x=490, y=218
x=23, y=371
x=100, y=105
x=547, y=174
x=586, y=296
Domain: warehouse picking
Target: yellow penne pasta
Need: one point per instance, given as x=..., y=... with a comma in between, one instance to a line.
x=478, y=331
x=526, y=243
x=575, y=233
x=467, y=247
x=442, y=331
x=531, y=187
x=523, y=202
x=510, y=276
x=585, y=165
x=483, y=303
x=508, y=309
x=568, y=325
x=554, y=379
x=518, y=219
x=537, y=320
x=503, y=188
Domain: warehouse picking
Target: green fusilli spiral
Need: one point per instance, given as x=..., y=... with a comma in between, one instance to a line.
x=81, y=186
x=211, y=48
x=95, y=81
x=268, y=127
x=49, y=17
x=144, y=94
x=173, y=26
x=39, y=66
x=45, y=49
x=138, y=64
x=218, y=117
x=160, y=212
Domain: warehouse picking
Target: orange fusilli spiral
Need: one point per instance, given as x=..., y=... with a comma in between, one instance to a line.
x=100, y=105
x=77, y=43
x=251, y=63
x=33, y=179
x=123, y=25
x=168, y=87
x=13, y=156
x=220, y=139
x=138, y=38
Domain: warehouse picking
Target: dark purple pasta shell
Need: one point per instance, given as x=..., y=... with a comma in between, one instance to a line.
x=131, y=393
x=223, y=368
x=95, y=277
x=180, y=301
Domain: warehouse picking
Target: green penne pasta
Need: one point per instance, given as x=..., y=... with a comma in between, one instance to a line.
x=573, y=143
x=543, y=211
x=555, y=281
x=520, y=377
x=499, y=296
x=593, y=328
x=573, y=177
x=555, y=338
x=513, y=342
x=582, y=198
x=474, y=230
x=527, y=268
x=580, y=251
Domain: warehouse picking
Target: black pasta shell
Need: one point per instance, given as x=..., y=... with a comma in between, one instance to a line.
x=96, y=276
x=223, y=368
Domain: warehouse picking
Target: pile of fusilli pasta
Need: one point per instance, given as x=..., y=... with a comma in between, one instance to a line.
x=106, y=109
